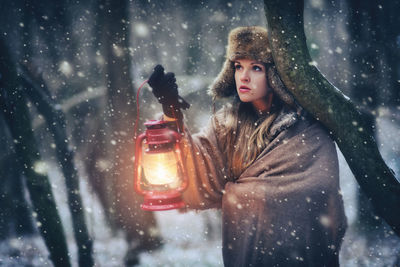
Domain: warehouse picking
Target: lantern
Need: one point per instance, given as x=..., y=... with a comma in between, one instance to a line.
x=159, y=172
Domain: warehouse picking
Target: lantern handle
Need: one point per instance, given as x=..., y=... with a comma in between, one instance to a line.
x=138, y=159
x=138, y=108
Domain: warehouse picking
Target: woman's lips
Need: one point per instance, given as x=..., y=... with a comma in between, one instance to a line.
x=244, y=89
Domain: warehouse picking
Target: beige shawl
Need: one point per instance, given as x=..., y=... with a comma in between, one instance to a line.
x=285, y=209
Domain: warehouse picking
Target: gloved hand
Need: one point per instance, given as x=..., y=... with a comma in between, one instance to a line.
x=165, y=90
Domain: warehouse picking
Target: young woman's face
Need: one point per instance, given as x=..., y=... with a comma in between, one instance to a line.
x=251, y=81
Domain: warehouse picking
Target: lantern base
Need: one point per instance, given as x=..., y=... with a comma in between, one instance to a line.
x=157, y=201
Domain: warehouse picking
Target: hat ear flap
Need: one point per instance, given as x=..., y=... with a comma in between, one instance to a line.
x=224, y=84
x=276, y=84
x=278, y=87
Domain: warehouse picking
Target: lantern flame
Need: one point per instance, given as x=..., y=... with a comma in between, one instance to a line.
x=161, y=168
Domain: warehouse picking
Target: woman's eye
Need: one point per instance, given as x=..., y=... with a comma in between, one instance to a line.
x=238, y=67
x=257, y=68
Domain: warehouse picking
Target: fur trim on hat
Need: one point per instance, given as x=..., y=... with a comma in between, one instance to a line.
x=248, y=43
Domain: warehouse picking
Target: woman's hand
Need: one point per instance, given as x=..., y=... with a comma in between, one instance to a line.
x=165, y=90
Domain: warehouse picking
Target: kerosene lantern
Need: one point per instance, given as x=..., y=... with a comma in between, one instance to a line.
x=159, y=171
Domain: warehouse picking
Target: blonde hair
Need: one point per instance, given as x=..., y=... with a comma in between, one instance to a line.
x=244, y=134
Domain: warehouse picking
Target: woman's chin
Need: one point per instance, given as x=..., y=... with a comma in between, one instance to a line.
x=245, y=99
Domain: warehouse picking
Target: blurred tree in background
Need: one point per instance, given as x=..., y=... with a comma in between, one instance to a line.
x=375, y=59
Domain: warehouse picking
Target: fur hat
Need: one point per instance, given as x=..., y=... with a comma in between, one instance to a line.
x=250, y=43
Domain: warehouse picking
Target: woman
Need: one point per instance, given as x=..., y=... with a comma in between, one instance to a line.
x=272, y=169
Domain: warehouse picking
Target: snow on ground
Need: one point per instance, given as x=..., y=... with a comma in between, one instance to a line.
x=357, y=250
x=382, y=250
x=191, y=239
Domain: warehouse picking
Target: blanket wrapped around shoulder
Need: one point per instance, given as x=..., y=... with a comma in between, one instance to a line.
x=284, y=209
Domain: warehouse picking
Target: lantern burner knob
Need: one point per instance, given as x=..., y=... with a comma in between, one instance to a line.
x=156, y=124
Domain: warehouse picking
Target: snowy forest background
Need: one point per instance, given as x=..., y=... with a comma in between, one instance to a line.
x=69, y=75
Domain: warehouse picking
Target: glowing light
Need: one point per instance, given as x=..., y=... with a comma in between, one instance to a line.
x=161, y=168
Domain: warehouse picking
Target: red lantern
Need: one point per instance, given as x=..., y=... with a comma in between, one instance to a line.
x=159, y=172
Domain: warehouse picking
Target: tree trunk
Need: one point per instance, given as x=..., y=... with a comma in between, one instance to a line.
x=16, y=114
x=56, y=122
x=15, y=212
x=139, y=225
x=328, y=105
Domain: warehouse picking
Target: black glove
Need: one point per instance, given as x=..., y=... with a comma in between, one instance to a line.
x=165, y=90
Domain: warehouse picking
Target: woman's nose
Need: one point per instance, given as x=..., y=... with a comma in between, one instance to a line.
x=245, y=76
